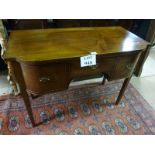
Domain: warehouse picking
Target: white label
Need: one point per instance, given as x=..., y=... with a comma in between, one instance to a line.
x=88, y=60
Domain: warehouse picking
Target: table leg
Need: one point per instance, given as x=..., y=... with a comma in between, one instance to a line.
x=28, y=107
x=103, y=81
x=16, y=75
x=124, y=86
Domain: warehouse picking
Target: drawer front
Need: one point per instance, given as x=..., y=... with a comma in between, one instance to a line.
x=114, y=68
x=40, y=79
x=44, y=78
x=124, y=67
x=103, y=65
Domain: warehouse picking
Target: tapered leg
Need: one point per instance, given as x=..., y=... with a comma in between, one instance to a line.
x=103, y=81
x=28, y=107
x=17, y=77
x=124, y=86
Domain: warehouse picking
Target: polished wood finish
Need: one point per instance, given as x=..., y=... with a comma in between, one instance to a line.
x=30, y=45
x=18, y=78
x=53, y=76
x=134, y=25
x=41, y=79
x=48, y=60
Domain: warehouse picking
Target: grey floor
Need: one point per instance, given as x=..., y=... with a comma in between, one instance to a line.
x=144, y=84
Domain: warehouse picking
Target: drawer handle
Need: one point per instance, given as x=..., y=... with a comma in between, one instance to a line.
x=129, y=66
x=94, y=66
x=44, y=79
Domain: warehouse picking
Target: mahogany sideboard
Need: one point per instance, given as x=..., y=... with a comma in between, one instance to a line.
x=46, y=60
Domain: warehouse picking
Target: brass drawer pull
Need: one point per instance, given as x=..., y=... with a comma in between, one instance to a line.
x=129, y=66
x=94, y=66
x=44, y=79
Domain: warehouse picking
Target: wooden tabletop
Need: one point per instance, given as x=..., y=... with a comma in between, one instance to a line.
x=49, y=44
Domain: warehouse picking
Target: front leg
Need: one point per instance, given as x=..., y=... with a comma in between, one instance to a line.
x=121, y=93
x=104, y=80
x=16, y=75
x=28, y=107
